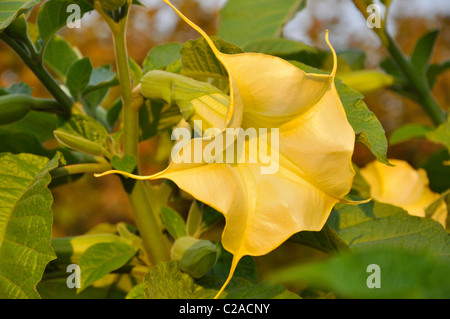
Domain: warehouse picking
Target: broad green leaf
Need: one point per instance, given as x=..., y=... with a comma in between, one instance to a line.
x=173, y=222
x=422, y=51
x=100, y=259
x=59, y=56
x=199, y=60
x=39, y=124
x=242, y=21
x=84, y=134
x=17, y=143
x=165, y=281
x=325, y=240
x=441, y=134
x=162, y=56
x=383, y=225
x=438, y=173
x=101, y=77
x=78, y=77
x=10, y=10
x=53, y=15
x=25, y=223
x=402, y=274
x=407, y=132
x=368, y=129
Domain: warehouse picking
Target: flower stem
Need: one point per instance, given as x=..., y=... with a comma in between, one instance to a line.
x=146, y=221
x=417, y=82
x=35, y=65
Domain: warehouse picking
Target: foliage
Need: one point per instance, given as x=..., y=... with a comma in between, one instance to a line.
x=170, y=250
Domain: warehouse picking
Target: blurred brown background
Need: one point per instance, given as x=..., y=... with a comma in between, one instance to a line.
x=89, y=201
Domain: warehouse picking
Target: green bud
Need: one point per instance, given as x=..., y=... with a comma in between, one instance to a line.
x=112, y=4
x=78, y=143
x=17, y=30
x=196, y=256
x=14, y=107
x=196, y=100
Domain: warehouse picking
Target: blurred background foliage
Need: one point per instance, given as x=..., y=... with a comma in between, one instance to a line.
x=88, y=201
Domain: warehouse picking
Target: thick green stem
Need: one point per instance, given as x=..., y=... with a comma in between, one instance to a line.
x=41, y=73
x=418, y=82
x=146, y=221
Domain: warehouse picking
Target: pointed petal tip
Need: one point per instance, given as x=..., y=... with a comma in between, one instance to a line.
x=234, y=263
x=327, y=39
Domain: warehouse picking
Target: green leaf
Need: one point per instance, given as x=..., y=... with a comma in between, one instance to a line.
x=438, y=173
x=10, y=10
x=368, y=129
x=137, y=292
x=209, y=219
x=173, y=222
x=245, y=269
x=101, y=77
x=39, y=124
x=441, y=134
x=383, y=225
x=402, y=274
x=84, y=134
x=100, y=259
x=325, y=240
x=194, y=219
x=17, y=143
x=407, y=132
x=59, y=56
x=162, y=56
x=242, y=21
x=165, y=281
x=136, y=72
x=53, y=15
x=126, y=164
x=422, y=51
x=25, y=223
x=435, y=70
x=110, y=287
x=443, y=198
x=288, y=50
x=78, y=77
x=199, y=60
x=19, y=88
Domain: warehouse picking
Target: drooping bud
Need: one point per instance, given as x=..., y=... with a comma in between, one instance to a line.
x=14, y=107
x=196, y=256
x=79, y=144
x=367, y=81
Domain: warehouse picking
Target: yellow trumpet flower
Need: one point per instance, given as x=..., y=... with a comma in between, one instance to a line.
x=313, y=153
x=403, y=186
